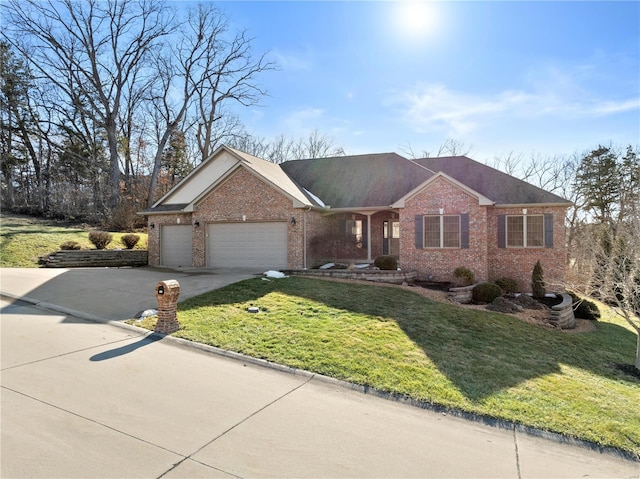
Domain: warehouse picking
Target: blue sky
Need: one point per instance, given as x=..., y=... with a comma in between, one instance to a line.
x=532, y=78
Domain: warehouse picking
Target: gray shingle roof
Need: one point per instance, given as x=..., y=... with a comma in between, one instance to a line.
x=375, y=180
x=494, y=184
x=171, y=208
x=379, y=180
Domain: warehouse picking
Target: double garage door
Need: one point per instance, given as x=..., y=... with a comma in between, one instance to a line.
x=259, y=246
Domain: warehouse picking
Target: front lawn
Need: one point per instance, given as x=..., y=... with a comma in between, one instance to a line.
x=23, y=239
x=398, y=341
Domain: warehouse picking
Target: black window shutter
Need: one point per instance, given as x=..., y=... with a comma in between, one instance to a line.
x=342, y=227
x=385, y=237
x=419, y=232
x=548, y=230
x=365, y=231
x=464, y=231
x=502, y=241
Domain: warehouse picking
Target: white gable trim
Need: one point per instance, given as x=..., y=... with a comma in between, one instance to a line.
x=173, y=195
x=482, y=200
x=296, y=203
x=219, y=166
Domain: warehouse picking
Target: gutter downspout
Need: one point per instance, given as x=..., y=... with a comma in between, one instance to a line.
x=304, y=237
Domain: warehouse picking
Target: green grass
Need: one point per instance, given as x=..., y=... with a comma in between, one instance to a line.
x=23, y=239
x=398, y=341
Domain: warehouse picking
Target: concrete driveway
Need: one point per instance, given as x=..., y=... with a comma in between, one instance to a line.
x=101, y=294
x=88, y=399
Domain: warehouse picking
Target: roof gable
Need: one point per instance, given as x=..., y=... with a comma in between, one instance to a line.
x=206, y=176
x=482, y=200
x=501, y=188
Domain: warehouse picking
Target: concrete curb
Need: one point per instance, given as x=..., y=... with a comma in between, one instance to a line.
x=364, y=389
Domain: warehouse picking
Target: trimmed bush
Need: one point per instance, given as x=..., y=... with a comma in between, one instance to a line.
x=507, y=285
x=537, y=281
x=70, y=245
x=464, y=275
x=130, y=240
x=386, y=263
x=484, y=293
x=583, y=308
x=100, y=239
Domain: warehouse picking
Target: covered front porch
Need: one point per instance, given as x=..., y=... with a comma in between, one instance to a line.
x=356, y=236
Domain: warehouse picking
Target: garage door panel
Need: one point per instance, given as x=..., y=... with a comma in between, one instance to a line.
x=176, y=245
x=247, y=245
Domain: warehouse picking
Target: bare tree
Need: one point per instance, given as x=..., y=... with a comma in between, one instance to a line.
x=229, y=77
x=90, y=50
x=316, y=145
x=283, y=148
x=607, y=267
x=450, y=147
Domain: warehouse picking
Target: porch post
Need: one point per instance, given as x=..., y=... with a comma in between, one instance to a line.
x=369, y=236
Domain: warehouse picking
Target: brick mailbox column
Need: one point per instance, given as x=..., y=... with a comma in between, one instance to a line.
x=167, y=293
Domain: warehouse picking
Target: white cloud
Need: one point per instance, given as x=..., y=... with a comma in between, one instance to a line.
x=292, y=62
x=613, y=107
x=434, y=106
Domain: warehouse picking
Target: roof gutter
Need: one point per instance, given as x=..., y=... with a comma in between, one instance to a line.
x=533, y=205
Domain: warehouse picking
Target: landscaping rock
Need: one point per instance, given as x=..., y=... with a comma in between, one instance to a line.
x=503, y=305
x=528, y=302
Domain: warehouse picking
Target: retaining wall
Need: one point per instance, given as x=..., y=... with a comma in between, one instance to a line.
x=95, y=258
x=396, y=277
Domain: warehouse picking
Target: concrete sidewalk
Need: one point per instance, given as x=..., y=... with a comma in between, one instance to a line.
x=101, y=294
x=83, y=399
x=87, y=399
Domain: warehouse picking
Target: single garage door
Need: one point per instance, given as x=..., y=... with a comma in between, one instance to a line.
x=175, y=245
x=260, y=246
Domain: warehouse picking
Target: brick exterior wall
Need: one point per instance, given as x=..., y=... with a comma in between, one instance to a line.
x=518, y=263
x=438, y=264
x=244, y=194
x=153, y=244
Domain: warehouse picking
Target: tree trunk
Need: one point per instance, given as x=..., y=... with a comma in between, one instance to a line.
x=114, y=166
x=638, y=352
x=157, y=163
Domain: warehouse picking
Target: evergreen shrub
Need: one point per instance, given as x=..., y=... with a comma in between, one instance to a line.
x=386, y=263
x=485, y=293
x=464, y=275
x=507, y=285
x=537, y=281
x=583, y=308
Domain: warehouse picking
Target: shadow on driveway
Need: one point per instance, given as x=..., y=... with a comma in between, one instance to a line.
x=126, y=349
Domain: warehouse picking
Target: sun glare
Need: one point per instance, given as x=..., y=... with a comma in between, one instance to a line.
x=415, y=19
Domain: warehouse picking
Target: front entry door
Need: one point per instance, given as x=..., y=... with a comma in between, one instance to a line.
x=391, y=238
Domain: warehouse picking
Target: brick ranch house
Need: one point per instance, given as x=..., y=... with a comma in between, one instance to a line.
x=434, y=214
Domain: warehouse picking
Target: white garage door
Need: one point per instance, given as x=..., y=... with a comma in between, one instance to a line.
x=259, y=246
x=175, y=245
